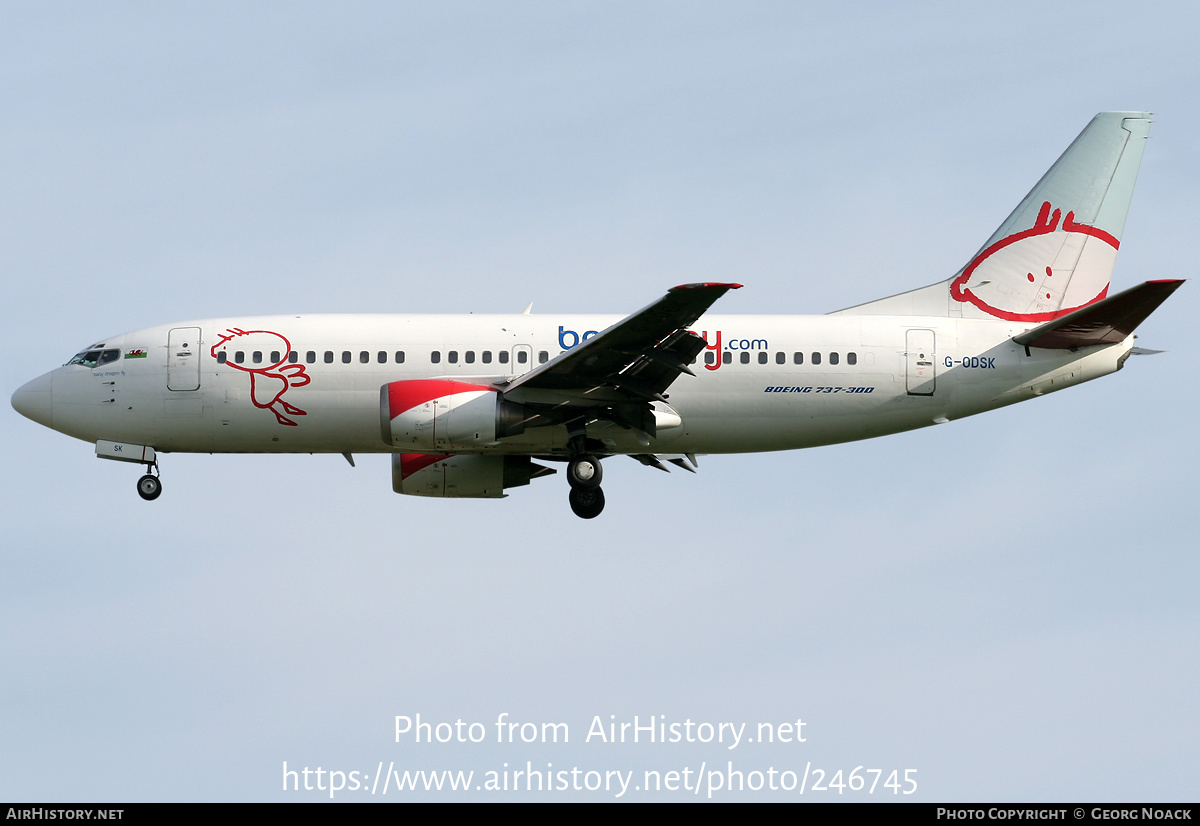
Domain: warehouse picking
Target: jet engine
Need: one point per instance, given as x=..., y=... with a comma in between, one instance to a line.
x=475, y=477
x=444, y=415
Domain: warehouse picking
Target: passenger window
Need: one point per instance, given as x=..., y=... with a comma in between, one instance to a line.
x=436, y=356
x=256, y=357
x=816, y=358
x=329, y=357
x=452, y=357
x=745, y=358
x=852, y=358
x=239, y=357
x=381, y=356
x=543, y=357
x=727, y=357
x=345, y=357
x=522, y=357
x=487, y=357
x=293, y=357
x=311, y=356
x=762, y=357
x=364, y=357
x=399, y=357
x=469, y=357
x=275, y=359
x=798, y=358
x=781, y=357
x=833, y=358
x=710, y=357
x=222, y=357
x=503, y=356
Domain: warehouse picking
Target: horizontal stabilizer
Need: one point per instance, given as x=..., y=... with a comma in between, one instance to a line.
x=1108, y=321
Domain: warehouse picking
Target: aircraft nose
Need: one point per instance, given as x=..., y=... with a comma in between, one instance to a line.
x=34, y=400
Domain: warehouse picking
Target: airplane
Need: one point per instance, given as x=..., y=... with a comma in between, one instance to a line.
x=470, y=406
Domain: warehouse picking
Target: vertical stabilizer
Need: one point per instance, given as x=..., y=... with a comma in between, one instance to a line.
x=1055, y=252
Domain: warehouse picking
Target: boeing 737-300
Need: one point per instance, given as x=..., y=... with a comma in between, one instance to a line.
x=469, y=406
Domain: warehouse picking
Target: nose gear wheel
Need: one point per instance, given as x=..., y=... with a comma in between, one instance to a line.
x=149, y=488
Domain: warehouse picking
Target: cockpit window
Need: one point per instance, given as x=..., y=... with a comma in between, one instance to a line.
x=95, y=358
x=87, y=358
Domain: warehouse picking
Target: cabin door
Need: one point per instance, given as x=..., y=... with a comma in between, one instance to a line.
x=183, y=358
x=920, y=363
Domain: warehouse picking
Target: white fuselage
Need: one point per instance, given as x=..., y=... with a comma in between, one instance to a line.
x=855, y=377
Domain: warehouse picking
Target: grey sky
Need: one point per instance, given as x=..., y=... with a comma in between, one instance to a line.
x=1005, y=603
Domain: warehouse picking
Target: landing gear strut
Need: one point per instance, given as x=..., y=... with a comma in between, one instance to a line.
x=584, y=474
x=149, y=487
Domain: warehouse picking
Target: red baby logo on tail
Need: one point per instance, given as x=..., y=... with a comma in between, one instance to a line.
x=268, y=382
x=1040, y=273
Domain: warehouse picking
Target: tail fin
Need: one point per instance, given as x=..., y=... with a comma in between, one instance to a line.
x=1055, y=252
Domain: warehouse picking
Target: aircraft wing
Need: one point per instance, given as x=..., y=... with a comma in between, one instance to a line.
x=635, y=359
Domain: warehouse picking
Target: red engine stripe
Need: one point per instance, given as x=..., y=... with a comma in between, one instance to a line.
x=410, y=463
x=405, y=395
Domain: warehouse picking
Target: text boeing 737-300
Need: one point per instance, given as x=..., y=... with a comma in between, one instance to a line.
x=470, y=406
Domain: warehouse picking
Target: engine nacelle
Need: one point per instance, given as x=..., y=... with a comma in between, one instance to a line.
x=474, y=477
x=444, y=415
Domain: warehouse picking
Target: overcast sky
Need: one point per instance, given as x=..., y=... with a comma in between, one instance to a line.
x=1005, y=604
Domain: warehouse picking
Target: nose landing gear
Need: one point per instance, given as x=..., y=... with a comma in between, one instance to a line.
x=149, y=487
x=584, y=474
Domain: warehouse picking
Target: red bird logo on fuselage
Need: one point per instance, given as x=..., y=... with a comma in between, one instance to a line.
x=268, y=382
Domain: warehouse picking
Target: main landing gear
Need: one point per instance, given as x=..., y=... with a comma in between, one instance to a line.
x=149, y=487
x=584, y=474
